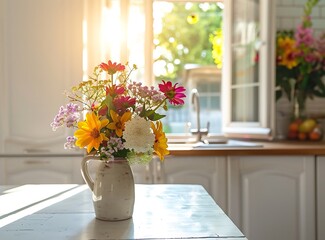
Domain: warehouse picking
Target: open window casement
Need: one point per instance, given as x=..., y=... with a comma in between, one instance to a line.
x=248, y=72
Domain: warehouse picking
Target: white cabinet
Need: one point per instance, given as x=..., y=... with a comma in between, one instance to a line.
x=41, y=56
x=210, y=172
x=320, y=188
x=144, y=174
x=273, y=197
x=33, y=170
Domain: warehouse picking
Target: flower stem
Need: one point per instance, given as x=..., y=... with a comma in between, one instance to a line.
x=160, y=104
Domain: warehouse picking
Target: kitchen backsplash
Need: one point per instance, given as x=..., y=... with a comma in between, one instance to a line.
x=289, y=14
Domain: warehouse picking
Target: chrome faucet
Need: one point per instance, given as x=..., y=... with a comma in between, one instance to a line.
x=195, y=98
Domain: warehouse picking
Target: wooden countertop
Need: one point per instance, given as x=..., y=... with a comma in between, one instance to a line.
x=263, y=148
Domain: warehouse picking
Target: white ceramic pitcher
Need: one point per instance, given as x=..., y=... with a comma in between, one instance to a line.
x=113, y=188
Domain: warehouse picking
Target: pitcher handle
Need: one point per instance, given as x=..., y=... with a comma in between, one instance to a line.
x=85, y=172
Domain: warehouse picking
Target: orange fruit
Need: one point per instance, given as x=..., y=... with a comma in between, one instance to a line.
x=314, y=135
x=293, y=127
x=302, y=136
x=292, y=135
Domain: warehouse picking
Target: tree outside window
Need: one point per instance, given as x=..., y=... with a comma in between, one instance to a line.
x=187, y=35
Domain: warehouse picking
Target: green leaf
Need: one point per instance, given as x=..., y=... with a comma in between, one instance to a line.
x=121, y=153
x=143, y=112
x=156, y=116
x=108, y=102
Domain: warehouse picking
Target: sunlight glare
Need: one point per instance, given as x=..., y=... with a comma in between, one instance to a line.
x=28, y=203
x=84, y=51
x=188, y=5
x=159, y=68
x=110, y=32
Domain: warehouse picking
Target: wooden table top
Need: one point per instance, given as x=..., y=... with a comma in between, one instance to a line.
x=65, y=211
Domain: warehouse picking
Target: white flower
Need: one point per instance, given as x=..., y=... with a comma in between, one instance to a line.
x=138, y=135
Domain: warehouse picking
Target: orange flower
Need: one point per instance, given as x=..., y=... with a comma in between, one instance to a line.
x=118, y=123
x=112, y=68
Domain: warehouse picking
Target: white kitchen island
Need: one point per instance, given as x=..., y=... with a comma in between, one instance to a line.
x=65, y=211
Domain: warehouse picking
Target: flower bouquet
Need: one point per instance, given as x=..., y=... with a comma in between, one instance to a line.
x=300, y=71
x=121, y=116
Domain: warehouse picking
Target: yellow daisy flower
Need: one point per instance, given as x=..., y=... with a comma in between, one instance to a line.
x=288, y=52
x=289, y=59
x=118, y=123
x=286, y=43
x=89, y=133
x=160, y=145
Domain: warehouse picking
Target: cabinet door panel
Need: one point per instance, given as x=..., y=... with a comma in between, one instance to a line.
x=33, y=170
x=320, y=197
x=273, y=197
x=142, y=173
x=210, y=172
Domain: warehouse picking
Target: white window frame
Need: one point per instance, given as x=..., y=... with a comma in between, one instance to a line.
x=263, y=128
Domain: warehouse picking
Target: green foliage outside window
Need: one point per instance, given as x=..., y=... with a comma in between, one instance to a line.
x=183, y=42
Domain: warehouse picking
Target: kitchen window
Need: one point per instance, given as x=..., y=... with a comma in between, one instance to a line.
x=182, y=52
x=236, y=100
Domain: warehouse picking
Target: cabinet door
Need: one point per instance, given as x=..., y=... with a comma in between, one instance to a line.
x=41, y=58
x=320, y=197
x=273, y=197
x=143, y=174
x=210, y=172
x=33, y=170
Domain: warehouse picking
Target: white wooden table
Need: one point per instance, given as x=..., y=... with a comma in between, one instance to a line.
x=33, y=212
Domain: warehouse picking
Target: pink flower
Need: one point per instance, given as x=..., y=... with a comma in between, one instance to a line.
x=304, y=36
x=114, y=90
x=122, y=103
x=312, y=57
x=173, y=93
x=112, y=68
x=103, y=111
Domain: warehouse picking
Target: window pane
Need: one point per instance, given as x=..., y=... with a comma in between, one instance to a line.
x=202, y=87
x=215, y=102
x=245, y=70
x=245, y=104
x=182, y=43
x=204, y=103
x=245, y=40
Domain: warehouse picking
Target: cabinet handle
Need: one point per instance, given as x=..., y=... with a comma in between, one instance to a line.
x=36, y=162
x=36, y=150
